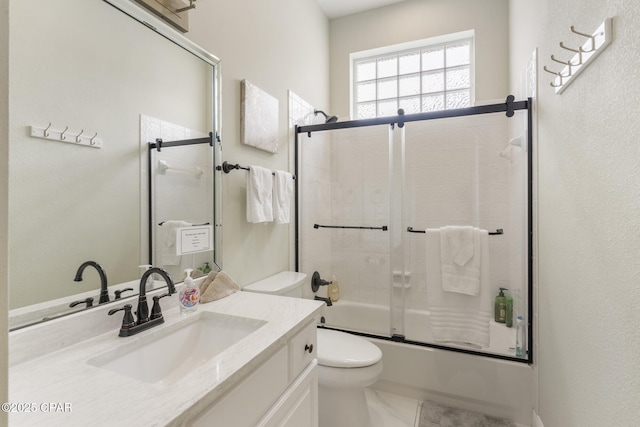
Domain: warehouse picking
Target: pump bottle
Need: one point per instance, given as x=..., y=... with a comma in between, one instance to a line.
x=500, y=308
x=189, y=296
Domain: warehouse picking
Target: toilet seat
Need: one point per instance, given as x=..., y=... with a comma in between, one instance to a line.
x=342, y=350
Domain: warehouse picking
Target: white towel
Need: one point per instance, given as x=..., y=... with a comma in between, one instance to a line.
x=455, y=317
x=259, y=195
x=282, y=194
x=461, y=255
x=168, y=241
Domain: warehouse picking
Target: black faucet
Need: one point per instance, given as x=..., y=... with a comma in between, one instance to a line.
x=316, y=282
x=104, y=293
x=119, y=292
x=88, y=302
x=129, y=326
x=326, y=300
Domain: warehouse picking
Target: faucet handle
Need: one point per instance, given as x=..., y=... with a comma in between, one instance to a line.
x=156, y=311
x=128, y=321
x=88, y=302
x=119, y=292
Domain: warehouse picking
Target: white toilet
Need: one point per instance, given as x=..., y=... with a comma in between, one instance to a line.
x=346, y=363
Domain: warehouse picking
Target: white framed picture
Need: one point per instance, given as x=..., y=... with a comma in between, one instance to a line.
x=258, y=118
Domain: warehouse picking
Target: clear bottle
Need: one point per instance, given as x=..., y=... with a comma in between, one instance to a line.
x=519, y=337
x=189, y=296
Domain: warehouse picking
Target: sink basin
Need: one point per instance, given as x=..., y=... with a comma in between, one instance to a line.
x=170, y=352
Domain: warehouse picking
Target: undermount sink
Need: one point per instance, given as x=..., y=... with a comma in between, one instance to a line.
x=172, y=351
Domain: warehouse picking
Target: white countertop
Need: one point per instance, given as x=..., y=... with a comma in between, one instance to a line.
x=47, y=366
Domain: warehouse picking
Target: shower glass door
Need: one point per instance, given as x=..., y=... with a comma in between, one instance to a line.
x=463, y=172
x=372, y=197
x=344, y=199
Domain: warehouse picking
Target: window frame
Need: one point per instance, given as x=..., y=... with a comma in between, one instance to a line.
x=403, y=48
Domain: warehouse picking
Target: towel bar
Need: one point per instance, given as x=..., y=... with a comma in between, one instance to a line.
x=491, y=233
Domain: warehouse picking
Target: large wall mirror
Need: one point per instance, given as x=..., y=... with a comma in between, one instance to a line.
x=104, y=70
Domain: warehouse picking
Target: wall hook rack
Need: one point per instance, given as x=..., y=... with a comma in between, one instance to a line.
x=583, y=55
x=65, y=136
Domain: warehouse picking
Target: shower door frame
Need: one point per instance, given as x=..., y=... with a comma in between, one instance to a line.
x=508, y=107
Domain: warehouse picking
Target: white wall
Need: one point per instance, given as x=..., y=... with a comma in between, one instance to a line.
x=4, y=207
x=419, y=19
x=589, y=232
x=278, y=45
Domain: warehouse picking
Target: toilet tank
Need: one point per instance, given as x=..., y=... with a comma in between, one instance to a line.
x=286, y=283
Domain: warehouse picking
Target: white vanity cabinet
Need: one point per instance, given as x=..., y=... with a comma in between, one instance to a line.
x=281, y=392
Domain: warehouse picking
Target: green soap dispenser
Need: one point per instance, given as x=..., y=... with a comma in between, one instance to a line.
x=500, y=311
x=509, y=312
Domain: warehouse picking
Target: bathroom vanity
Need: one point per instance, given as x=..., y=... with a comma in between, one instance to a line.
x=245, y=360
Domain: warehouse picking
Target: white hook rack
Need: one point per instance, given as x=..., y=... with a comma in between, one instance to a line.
x=584, y=55
x=79, y=138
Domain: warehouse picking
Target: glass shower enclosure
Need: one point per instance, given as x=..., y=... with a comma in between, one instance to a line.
x=378, y=203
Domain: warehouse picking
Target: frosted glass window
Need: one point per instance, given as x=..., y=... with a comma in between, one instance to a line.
x=433, y=59
x=387, y=67
x=432, y=103
x=411, y=105
x=409, y=85
x=409, y=63
x=366, y=91
x=387, y=108
x=458, y=78
x=366, y=70
x=387, y=88
x=458, y=99
x=458, y=55
x=366, y=111
x=416, y=78
x=433, y=82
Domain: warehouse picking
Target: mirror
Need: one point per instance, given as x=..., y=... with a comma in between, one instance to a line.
x=88, y=88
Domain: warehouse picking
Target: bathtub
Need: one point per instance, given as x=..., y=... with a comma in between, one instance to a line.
x=375, y=319
x=495, y=387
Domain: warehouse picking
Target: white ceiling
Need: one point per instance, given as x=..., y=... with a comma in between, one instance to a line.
x=337, y=8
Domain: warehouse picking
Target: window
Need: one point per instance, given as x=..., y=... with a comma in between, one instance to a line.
x=435, y=75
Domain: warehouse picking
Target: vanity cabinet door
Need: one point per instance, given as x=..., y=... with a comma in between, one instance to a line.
x=302, y=349
x=298, y=406
x=247, y=401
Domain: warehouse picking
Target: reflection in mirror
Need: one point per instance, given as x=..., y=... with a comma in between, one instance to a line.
x=181, y=180
x=70, y=203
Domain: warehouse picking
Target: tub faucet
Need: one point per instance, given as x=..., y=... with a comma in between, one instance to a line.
x=104, y=293
x=326, y=300
x=316, y=282
x=129, y=326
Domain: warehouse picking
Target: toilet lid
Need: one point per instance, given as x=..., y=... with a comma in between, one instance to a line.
x=341, y=350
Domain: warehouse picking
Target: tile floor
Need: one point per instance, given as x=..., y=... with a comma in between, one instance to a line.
x=390, y=410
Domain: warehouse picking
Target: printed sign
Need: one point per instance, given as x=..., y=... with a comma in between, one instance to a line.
x=191, y=240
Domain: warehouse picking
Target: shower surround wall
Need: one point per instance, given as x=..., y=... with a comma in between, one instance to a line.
x=454, y=175
x=314, y=181
x=360, y=196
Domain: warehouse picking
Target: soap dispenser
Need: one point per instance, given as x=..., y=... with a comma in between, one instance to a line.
x=500, y=309
x=189, y=296
x=333, y=291
x=509, y=311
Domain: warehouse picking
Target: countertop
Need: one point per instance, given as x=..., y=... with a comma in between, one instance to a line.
x=63, y=389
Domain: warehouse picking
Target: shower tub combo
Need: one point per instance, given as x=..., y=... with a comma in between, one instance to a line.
x=368, y=188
